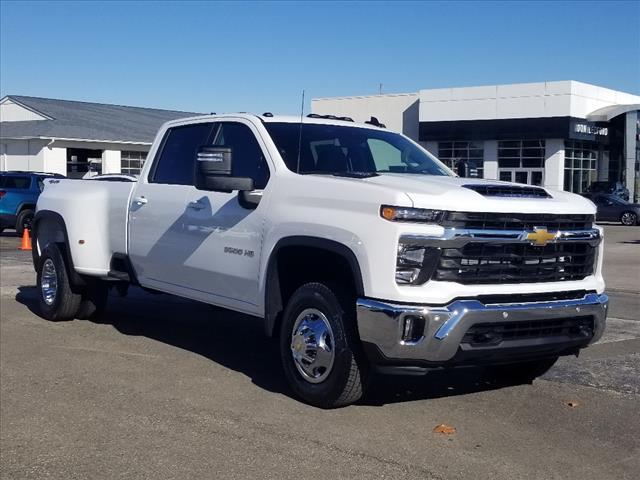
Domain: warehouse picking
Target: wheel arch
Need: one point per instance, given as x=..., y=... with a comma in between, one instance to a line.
x=292, y=248
x=25, y=206
x=49, y=227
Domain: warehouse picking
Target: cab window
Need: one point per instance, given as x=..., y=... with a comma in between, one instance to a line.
x=248, y=158
x=175, y=165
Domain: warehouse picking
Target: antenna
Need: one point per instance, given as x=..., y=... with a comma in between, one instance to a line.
x=300, y=133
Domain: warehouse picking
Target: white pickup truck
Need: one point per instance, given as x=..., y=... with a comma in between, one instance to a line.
x=358, y=249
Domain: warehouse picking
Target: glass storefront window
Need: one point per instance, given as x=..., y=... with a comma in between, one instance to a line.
x=580, y=165
x=452, y=153
x=521, y=161
x=131, y=162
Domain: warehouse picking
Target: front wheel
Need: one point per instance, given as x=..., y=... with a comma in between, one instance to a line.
x=320, y=349
x=57, y=299
x=629, y=219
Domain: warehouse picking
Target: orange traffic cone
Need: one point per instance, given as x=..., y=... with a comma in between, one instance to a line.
x=26, y=240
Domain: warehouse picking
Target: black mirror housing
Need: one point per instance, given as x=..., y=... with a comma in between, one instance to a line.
x=214, y=160
x=220, y=183
x=213, y=171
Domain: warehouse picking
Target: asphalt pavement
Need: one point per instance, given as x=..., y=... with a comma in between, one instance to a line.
x=162, y=387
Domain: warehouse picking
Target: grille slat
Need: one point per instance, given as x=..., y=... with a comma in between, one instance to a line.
x=485, y=263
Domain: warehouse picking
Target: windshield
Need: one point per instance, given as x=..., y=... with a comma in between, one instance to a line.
x=335, y=149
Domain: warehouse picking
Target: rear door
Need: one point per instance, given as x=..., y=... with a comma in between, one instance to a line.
x=158, y=210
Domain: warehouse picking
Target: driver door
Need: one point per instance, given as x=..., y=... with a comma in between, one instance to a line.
x=224, y=266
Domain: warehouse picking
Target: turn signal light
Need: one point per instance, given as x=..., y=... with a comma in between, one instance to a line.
x=408, y=214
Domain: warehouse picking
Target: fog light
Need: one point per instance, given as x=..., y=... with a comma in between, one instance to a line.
x=412, y=328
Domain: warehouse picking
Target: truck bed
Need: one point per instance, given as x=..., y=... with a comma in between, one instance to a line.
x=95, y=215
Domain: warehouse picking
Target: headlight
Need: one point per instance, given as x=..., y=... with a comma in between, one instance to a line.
x=408, y=214
x=415, y=263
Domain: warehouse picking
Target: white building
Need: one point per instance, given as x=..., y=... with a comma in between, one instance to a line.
x=563, y=135
x=76, y=139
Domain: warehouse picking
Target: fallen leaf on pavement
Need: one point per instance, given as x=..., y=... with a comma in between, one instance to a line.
x=445, y=429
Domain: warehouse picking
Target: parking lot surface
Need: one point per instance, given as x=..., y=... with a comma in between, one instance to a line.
x=162, y=387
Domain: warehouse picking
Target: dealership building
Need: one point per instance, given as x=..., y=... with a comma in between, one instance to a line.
x=76, y=139
x=562, y=135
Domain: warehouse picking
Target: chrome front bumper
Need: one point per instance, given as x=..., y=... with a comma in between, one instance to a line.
x=381, y=323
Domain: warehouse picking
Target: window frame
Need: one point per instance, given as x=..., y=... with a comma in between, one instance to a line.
x=127, y=158
x=571, y=159
x=466, y=146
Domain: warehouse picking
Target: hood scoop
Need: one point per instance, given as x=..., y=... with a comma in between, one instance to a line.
x=498, y=190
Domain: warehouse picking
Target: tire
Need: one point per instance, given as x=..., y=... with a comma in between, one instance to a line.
x=629, y=219
x=310, y=309
x=59, y=301
x=94, y=300
x=25, y=217
x=523, y=372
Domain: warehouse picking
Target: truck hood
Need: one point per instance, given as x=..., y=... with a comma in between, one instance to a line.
x=449, y=193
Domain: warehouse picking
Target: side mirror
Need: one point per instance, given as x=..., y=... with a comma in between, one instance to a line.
x=213, y=171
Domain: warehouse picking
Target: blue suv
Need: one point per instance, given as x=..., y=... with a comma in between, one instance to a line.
x=19, y=192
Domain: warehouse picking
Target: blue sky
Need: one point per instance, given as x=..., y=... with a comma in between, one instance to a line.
x=200, y=56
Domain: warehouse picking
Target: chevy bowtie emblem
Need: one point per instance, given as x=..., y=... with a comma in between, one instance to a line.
x=540, y=236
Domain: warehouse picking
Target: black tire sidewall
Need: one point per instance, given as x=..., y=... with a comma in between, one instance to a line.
x=318, y=296
x=66, y=302
x=20, y=220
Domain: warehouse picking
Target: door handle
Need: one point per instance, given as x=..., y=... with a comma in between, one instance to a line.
x=141, y=200
x=196, y=205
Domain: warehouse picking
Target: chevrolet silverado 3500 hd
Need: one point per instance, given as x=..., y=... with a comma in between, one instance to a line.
x=360, y=251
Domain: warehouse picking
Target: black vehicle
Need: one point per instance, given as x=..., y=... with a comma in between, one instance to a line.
x=612, y=208
x=613, y=188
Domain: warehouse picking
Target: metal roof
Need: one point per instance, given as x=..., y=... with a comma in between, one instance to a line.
x=68, y=119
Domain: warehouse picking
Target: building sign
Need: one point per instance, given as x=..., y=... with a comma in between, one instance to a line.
x=590, y=129
x=583, y=130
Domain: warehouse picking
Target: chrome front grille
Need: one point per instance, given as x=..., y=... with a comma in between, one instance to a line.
x=489, y=263
x=517, y=221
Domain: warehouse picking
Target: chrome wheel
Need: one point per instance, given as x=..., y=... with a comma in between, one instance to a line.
x=628, y=218
x=49, y=282
x=312, y=345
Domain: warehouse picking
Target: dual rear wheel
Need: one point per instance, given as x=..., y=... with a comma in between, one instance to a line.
x=58, y=298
